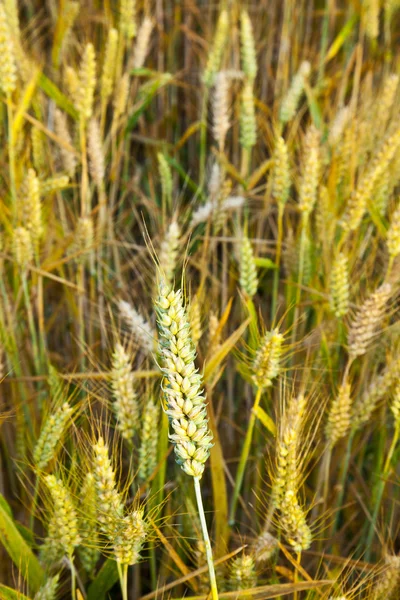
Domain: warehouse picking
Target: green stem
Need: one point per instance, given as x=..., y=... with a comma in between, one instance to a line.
x=203, y=136
x=246, y=161
x=123, y=579
x=377, y=496
x=342, y=481
x=300, y=277
x=296, y=576
x=11, y=156
x=324, y=43
x=31, y=322
x=389, y=268
x=81, y=317
x=327, y=466
x=73, y=577
x=243, y=458
x=34, y=500
x=85, y=179
x=275, y=288
x=207, y=543
x=153, y=565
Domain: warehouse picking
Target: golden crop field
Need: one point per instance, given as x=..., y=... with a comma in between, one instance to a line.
x=199, y=299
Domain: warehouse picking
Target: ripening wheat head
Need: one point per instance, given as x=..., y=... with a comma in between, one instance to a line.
x=267, y=361
x=366, y=320
x=182, y=385
x=140, y=328
x=66, y=529
x=288, y=475
x=368, y=401
x=126, y=404
x=242, y=573
x=248, y=269
x=388, y=582
x=51, y=435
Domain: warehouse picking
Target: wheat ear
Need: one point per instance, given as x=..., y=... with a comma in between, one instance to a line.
x=185, y=401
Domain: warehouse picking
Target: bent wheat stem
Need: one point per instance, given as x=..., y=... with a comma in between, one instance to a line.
x=244, y=457
x=207, y=543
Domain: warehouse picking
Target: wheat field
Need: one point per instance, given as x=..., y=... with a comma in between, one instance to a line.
x=199, y=299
